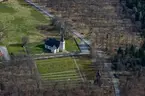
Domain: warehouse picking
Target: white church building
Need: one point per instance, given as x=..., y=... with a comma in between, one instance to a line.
x=54, y=45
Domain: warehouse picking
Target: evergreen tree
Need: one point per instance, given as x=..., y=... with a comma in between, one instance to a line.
x=129, y=4
x=143, y=61
x=140, y=16
x=141, y=52
x=143, y=22
x=132, y=50
x=137, y=16
x=139, y=5
x=120, y=51
x=143, y=45
x=126, y=51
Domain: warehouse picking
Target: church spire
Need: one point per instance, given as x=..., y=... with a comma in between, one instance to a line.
x=62, y=41
x=62, y=36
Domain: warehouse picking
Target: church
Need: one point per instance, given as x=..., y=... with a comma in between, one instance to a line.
x=54, y=45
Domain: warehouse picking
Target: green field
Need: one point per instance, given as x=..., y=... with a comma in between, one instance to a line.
x=65, y=68
x=58, y=69
x=86, y=67
x=55, y=65
x=18, y=21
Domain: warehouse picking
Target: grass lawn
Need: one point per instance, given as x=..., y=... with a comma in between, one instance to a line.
x=57, y=69
x=55, y=65
x=19, y=21
x=71, y=45
x=36, y=47
x=78, y=40
x=15, y=49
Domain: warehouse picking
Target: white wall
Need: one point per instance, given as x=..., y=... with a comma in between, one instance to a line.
x=62, y=46
x=52, y=49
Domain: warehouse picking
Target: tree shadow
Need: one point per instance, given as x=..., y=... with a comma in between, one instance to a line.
x=24, y=4
x=4, y=8
x=17, y=44
x=43, y=48
x=45, y=27
x=40, y=46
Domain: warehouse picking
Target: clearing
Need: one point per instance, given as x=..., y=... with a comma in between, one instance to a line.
x=18, y=19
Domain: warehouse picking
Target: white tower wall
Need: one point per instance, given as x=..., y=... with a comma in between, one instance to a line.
x=62, y=46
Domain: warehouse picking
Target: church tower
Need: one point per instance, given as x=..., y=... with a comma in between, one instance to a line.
x=62, y=42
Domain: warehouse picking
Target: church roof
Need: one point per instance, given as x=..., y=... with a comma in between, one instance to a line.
x=52, y=42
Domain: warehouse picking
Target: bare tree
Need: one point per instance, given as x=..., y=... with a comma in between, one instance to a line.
x=25, y=40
